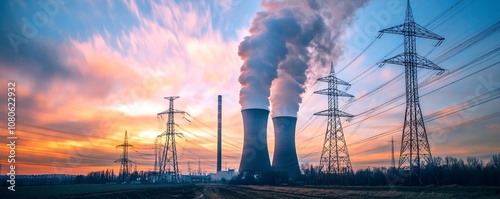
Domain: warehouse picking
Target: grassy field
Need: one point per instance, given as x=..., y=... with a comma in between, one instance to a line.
x=374, y=192
x=243, y=192
x=102, y=191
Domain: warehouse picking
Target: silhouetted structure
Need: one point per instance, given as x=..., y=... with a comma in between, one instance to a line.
x=285, y=154
x=157, y=151
x=168, y=165
x=393, y=162
x=255, y=155
x=199, y=166
x=414, y=143
x=219, y=133
x=124, y=161
x=334, y=156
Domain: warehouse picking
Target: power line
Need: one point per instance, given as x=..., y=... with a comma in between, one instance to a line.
x=449, y=55
x=492, y=95
x=424, y=85
x=359, y=55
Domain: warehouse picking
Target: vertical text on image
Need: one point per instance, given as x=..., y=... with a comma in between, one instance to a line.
x=11, y=127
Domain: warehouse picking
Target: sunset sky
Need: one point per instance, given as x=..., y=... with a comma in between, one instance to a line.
x=94, y=69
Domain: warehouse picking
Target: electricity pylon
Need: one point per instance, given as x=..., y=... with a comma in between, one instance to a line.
x=393, y=162
x=334, y=156
x=168, y=166
x=124, y=161
x=414, y=142
x=157, y=150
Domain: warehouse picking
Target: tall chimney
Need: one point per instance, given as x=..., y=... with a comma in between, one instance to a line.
x=255, y=155
x=285, y=155
x=219, y=133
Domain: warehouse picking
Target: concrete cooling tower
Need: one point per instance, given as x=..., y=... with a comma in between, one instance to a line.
x=255, y=156
x=285, y=155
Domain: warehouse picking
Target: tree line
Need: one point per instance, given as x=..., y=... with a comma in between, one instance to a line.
x=445, y=171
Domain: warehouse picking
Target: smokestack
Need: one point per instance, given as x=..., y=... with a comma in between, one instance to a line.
x=255, y=155
x=285, y=155
x=219, y=133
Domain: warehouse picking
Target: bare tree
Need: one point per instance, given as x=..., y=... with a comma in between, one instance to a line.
x=495, y=161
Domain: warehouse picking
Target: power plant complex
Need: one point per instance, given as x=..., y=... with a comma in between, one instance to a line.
x=272, y=84
x=255, y=154
x=285, y=154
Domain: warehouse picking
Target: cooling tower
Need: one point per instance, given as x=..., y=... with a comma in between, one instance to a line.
x=255, y=156
x=285, y=155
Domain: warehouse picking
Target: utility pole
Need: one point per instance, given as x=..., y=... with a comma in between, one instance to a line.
x=199, y=167
x=159, y=150
x=169, y=167
x=414, y=142
x=334, y=157
x=124, y=161
x=156, y=153
x=369, y=176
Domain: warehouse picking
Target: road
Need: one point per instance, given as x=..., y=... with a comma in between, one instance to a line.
x=250, y=192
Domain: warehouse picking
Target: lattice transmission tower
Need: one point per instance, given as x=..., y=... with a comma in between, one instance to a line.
x=393, y=162
x=334, y=156
x=158, y=149
x=168, y=165
x=125, y=162
x=414, y=143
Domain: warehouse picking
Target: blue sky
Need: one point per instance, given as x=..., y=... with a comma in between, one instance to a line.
x=463, y=21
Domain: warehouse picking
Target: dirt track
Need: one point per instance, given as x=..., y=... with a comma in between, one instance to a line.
x=222, y=191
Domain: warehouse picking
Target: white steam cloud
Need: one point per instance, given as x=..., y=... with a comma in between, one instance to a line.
x=286, y=39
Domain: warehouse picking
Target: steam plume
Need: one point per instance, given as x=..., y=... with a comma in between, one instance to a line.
x=285, y=40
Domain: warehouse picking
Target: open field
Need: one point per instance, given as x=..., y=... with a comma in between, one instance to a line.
x=242, y=192
x=103, y=191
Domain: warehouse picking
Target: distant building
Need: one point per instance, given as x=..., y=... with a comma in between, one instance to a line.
x=135, y=182
x=195, y=178
x=227, y=175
